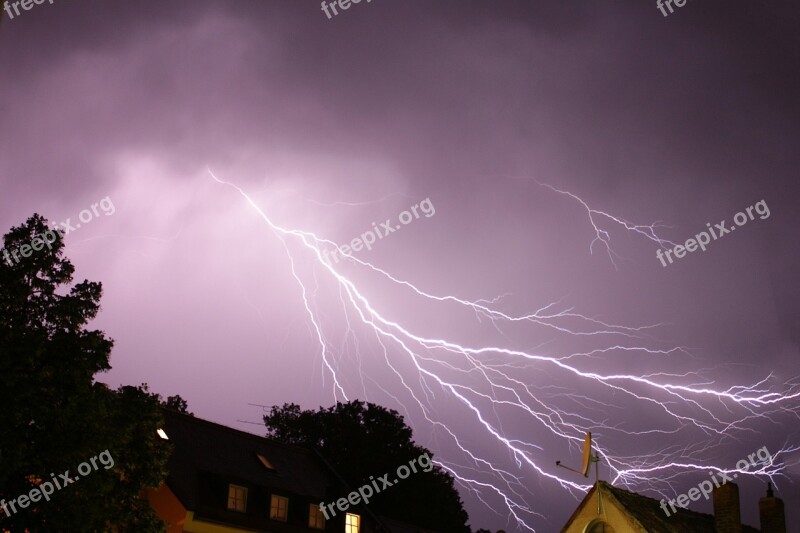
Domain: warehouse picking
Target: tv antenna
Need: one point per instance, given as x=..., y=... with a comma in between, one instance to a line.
x=588, y=459
x=586, y=464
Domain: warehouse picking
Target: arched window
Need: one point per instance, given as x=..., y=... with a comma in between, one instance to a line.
x=599, y=527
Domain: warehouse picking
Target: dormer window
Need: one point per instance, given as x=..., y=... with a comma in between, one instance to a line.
x=316, y=520
x=352, y=523
x=237, y=498
x=279, y=508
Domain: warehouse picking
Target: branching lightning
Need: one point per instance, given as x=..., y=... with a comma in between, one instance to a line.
x=557, y=397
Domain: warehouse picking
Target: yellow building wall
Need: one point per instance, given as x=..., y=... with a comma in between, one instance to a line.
x=198, y=526
x=610, y=514
x=167, y=507
x=179, y=519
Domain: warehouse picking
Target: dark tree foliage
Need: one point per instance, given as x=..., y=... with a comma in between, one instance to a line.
x=176, y=403
x=362, y=440
x=54, y=416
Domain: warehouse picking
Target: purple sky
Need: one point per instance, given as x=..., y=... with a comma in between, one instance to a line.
x=331, y=125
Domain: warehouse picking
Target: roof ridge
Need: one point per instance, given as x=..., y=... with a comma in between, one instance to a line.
x=216, y=425
x=639, y=495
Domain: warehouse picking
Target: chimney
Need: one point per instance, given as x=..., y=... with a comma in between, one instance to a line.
x=770, y=510
x=726, y=509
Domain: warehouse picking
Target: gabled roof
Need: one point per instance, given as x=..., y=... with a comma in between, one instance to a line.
x=648, y=514
x=204, y=446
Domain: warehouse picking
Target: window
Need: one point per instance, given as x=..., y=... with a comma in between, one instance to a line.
x=237, y=498
x=352, y=523
x=599, y=527
x=316, y=519
x=278, y=508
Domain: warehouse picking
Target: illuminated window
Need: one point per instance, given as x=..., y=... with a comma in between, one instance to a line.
x=316, y=519
x=279, y=508
x=352, y=523
x=599, y=527
x=237, y=498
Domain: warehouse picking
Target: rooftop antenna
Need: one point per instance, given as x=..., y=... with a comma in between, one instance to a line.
x=586, y=463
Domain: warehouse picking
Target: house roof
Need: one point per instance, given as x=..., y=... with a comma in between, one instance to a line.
x=201, y=445
x=648, y=513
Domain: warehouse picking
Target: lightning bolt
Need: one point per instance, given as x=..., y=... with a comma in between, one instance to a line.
x=603, y=237
x=496, y=386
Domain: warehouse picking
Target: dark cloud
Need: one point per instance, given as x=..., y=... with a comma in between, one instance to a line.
x=686, y=119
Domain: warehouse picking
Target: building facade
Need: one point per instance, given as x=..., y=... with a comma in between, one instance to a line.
x=609, y=509
x=222, y=480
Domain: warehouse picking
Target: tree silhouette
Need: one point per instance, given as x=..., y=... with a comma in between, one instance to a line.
x=362, y=440
x=176, y=403
x=54, y=416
